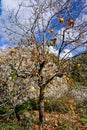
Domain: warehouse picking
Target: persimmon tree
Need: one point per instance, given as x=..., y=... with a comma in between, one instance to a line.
x=46, y=25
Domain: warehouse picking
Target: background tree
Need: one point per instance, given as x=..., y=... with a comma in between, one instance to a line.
x=51, y=24
x=78, y=71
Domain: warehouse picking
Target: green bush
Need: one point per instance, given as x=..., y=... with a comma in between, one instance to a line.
x=9, y=126
x=20, y=108
x=83, y=121
x=3, y=110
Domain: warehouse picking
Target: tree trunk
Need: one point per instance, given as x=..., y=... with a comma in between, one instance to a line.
x=41, y=106
x=16, y=113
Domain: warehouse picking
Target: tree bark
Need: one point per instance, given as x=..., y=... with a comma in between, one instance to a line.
x=16, y=113
x=41, y=106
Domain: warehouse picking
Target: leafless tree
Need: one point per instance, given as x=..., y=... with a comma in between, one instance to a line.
x=43, y=25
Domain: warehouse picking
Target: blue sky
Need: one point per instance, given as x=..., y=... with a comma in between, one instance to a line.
x=11, y=4
x=0, y=7
x=3, y=42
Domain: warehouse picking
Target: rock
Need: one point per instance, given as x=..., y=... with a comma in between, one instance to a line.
x=22, y=78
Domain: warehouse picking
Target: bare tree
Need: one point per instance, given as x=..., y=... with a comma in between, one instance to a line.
x=46, y=25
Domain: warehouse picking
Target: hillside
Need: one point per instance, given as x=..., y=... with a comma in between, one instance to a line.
x=19, y=76
x=18, y=67
x=79, y=69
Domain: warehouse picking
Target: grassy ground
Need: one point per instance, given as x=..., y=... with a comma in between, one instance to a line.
x=53, y=121
x=57, y=116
